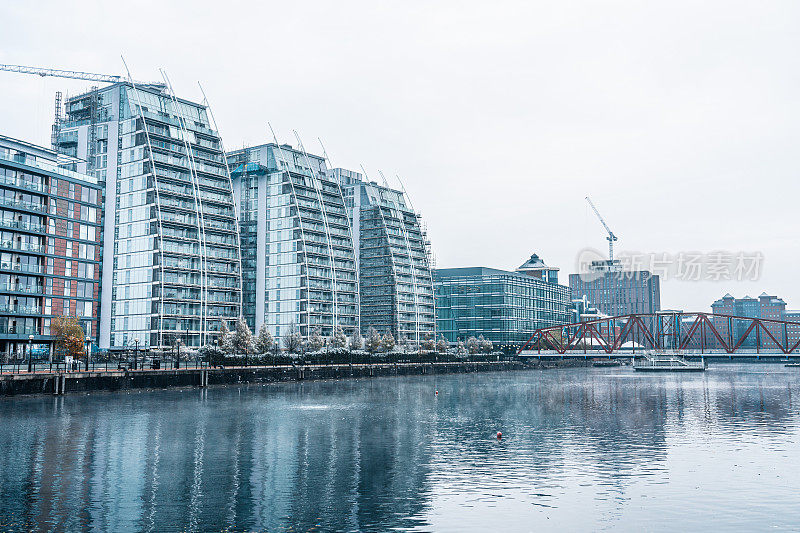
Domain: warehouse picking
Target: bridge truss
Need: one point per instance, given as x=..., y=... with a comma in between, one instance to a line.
x=696, y=332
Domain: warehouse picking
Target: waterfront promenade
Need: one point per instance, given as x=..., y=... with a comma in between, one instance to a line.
x=58, y=381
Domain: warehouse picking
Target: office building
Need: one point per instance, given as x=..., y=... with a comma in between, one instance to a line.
x=396, y=285
x=50, y=247
x=615, y=292
x=171, y=261
x=299, y=264
x=536, y=267
x=505, y=307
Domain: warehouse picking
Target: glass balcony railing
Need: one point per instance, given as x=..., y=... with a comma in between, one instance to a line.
x=20, y=204
x=28, y=289
x=20, y=224
x=21, y=246
x=22, y=184
x=41, y=164
x=20, y=309
x=21, y=267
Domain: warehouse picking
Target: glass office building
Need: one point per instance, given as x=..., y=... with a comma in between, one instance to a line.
x=299, y=267
x=505, y=307
x=396, y=286
x=171, y=260
x=49, y=247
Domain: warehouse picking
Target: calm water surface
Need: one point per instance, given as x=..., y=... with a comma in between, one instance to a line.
x=583, y=449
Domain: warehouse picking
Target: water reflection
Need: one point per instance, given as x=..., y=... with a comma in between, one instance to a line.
x=588, y=448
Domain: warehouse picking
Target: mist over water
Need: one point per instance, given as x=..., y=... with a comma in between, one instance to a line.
x=593, y=448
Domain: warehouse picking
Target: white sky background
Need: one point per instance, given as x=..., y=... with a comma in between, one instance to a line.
x=680, y=119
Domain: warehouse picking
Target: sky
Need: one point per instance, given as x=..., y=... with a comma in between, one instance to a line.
x=679, y=119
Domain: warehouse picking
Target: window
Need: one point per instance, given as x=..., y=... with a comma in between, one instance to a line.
x=87, y=309
x=67, y=268
x=67, y=287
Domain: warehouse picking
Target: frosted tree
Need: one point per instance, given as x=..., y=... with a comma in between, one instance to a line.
x=403, y=343
x=356, y=341
x=292, y=340
x=225, y=339
x=373, y=342
x=484, y=345
x=242, y=338
x=339, y=340
x=316, y=341
x=472, y=345
x=264, y=341
x=388, y=341
x=428, y=343
x=441, y=345
x=461, y=350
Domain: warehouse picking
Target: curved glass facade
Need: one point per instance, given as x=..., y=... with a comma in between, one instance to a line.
x=170, y=231
x=299, y=265
x=394, y=268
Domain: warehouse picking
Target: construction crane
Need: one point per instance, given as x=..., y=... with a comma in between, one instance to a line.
x=611, y=237
x=74, y=74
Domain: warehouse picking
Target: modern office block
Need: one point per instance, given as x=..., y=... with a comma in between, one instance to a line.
x=171, y=260
x=505, y=307
x=50, y=246
x=396, y=285
x=615, y=292
x=299, y=264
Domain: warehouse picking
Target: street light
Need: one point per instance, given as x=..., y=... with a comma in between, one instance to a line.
x=30, y=353
x=178, y=354
x=136, y=354
x=88, y=350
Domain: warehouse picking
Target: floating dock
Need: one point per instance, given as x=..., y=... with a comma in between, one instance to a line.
x=667, y=363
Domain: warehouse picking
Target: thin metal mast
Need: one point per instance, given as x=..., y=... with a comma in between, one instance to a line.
x=389, y=245
x=235, y=211
x=356, y=253
x=158, y=207
x=299, y=218
x=402, y=224
x=327, y=228
x=198, y=207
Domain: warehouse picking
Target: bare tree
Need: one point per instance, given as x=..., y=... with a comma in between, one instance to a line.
x=356, y=341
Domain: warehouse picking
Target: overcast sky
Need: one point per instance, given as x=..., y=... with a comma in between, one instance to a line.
x=680, y=119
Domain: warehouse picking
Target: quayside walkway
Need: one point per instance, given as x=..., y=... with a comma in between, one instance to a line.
x=43, y=381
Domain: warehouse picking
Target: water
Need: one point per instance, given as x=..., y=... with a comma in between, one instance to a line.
x=582, y=449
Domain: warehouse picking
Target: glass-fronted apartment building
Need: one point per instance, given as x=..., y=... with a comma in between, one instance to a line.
x=396, y=286
x=299, y=266
x=505, y=307
x=171, y=260
x=49, y=247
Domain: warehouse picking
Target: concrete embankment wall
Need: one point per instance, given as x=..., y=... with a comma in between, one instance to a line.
x=60, y=383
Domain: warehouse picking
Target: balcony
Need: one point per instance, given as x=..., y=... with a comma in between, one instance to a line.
x=26, y=289
x=22, y=246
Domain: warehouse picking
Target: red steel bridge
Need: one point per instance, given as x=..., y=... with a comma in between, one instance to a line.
x=692, y=333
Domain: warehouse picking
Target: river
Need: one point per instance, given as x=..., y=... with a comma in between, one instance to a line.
x=582, y=449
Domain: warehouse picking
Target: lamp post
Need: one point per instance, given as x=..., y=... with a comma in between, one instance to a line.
x=30, y=353
x=88, y=350
x=136, y=354
x=178, y=351
x=216, y=350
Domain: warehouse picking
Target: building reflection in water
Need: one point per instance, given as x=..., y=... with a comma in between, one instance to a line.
x=355, y=455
